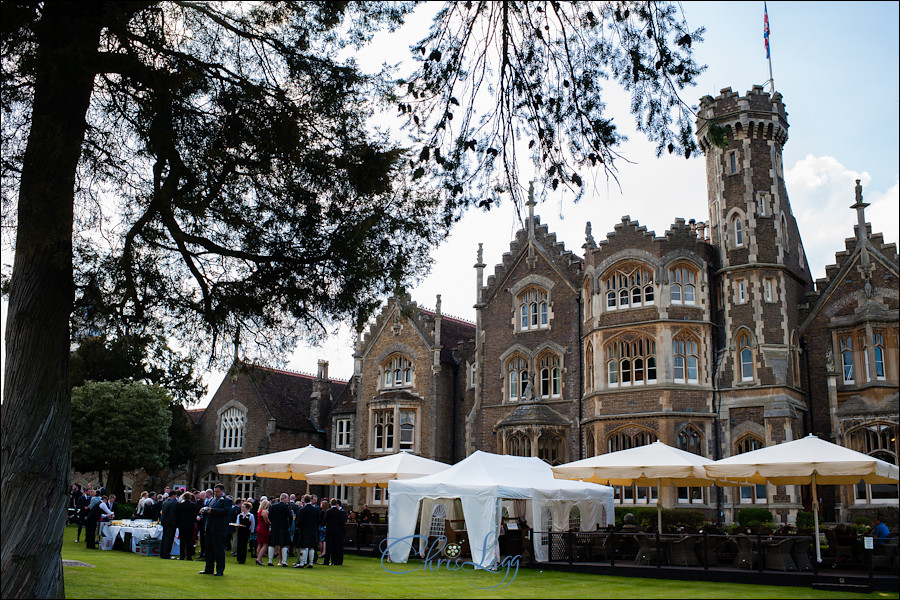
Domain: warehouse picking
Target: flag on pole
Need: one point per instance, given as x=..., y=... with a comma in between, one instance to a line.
x=766, y=28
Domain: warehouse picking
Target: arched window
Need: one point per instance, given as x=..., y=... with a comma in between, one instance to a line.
x=876, y=440
x=631, y=360
x=516, y=378
x=438, y=520
x=745, y=357
x=847, y=358
x=589, y=368
x=518, y=444
x=686, y=359
x=549, y=371
x=589, y=447
x=231, y=432
x=737, y=225
x=398, y=372
x=575, y=519
x=407, y=429
x=683, y=285
x=588, y=308
x=534, y=309
x=752, y=494
x=878, y=338
x=629, y=286
x=690, y=440
x=630, y=437
x=383, y=430
x=550, y=448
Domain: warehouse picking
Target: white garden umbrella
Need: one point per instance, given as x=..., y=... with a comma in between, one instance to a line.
x=287, y=464
x=378, y=471
x=809, y=460
x=655, y=464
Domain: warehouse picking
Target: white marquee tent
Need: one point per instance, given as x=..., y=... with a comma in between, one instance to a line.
x=481, y=481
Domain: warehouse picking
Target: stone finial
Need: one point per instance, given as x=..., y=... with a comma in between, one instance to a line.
x=437, y=305
x=588, y=238
x=480, y=252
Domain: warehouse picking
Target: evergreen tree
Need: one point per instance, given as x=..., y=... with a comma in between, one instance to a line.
x=214, y=161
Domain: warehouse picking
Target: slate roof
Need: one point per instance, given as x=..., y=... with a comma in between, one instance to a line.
x=194, y=414
x=532, y=413
x=286, y=395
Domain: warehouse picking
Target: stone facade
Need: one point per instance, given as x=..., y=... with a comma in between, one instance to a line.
x=258, y=410
x=711, y=338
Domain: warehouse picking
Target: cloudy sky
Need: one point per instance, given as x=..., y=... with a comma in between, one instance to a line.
x=836, y=64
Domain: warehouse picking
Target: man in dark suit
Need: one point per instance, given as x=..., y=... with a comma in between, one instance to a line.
x=335, y=520
x=308, y=539
x=216, y=522
x=169, y=525
x=186, y=519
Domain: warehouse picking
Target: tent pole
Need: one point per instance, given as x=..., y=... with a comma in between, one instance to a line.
x=659, y=505
x=815, y=504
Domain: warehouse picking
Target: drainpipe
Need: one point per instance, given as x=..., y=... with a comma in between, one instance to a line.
x=809, y=426
x=580, y=378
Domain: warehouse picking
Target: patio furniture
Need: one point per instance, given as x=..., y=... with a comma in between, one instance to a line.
x=647, y=552
x=778, y=555
x=747, y=557
x=838, y=551
x=800, y=553
x=684, y=551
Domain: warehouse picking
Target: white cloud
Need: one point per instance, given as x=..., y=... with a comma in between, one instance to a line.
x=821, y=191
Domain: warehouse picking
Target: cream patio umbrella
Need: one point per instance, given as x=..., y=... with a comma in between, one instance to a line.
x=287, y=464
x=378, y=471
x=808, y=460
x=655, y=464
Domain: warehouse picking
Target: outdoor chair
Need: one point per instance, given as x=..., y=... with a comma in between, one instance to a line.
x=647, y=552
x=838, y=551
x=800, y=553
x=684, y=551
x=778, y=555
x=746, y=557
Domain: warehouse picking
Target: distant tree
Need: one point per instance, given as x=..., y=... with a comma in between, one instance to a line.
x=119, y=426
x=215, y=160
x=138, y=358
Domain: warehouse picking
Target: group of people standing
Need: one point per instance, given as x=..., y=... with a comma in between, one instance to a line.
x=310, y=528
x=302, y=527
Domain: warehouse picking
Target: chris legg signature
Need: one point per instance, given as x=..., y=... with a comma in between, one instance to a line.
x=433, y=562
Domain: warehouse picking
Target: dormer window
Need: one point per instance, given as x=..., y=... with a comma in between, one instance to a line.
x=683, y=282
x=534, y=309
x=398, y=372
x=629, y=286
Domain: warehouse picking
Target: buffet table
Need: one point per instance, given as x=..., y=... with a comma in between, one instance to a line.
x=139, y=530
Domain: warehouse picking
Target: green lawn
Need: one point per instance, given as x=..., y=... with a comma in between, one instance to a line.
x=118, y=574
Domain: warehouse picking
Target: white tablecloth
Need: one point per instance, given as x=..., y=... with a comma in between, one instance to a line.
x=137, y=534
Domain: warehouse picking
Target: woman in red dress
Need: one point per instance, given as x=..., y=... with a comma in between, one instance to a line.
x=262, y=531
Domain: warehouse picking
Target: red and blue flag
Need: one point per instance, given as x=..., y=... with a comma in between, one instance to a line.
x=766, y=27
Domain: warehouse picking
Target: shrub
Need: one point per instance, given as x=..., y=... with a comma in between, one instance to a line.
x=126, y=510
x=890, y=516
x=862, y=520
x=760, y=515
x=805, y=520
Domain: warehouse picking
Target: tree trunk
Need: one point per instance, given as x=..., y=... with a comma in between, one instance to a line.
x=36, y=421
x=115, y=483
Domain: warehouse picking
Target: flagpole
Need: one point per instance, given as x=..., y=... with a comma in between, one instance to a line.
x=768, y=48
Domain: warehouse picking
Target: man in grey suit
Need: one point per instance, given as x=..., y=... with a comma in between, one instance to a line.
x=216, y=513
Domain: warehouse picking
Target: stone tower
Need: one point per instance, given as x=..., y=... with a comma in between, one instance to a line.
x=762, y=275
